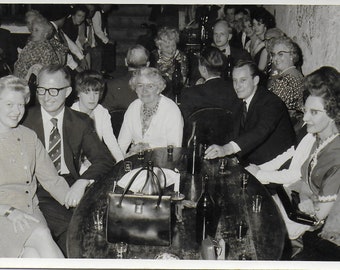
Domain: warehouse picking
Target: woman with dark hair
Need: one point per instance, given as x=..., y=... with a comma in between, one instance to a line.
x=316, y=160
x=90, y=87
x=262, y=21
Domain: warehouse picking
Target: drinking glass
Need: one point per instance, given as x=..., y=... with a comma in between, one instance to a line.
x=121, y=250
x=257, y=203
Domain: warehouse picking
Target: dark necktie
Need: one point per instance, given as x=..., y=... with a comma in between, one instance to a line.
x=55, y=145
x=244, y=114
x=60, y=36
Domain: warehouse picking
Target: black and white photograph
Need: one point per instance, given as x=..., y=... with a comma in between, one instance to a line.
x=170, y=135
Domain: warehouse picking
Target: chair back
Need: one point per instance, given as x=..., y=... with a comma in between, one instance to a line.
x=210, y=125
x=117, y=117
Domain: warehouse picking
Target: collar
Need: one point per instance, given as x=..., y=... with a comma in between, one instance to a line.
x=46, y=117
x=213, y=77
x=249, y=99
x=54, y=25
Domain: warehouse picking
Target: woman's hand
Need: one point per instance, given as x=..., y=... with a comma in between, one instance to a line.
x=20, y=220
x=307, y=206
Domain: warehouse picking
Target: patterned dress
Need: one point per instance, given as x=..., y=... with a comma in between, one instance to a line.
x=44, y=52
x=289, y=87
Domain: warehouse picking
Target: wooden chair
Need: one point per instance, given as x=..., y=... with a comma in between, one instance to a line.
x=212, y=126
x=117, y=117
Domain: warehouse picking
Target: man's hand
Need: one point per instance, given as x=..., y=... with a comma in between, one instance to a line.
x=83, y=64
x=76, y=192
x=215, y=151
x=20, y=220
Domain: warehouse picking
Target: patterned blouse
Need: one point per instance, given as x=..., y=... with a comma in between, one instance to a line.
x=289, y=87
x=44, y=52
x=166, y=65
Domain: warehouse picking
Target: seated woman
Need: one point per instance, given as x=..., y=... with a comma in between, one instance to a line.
x=255, y=45
x=316, y=161
x=167, y=54
x=24, y=232
x=90, y=86
x=152, y=120
x=262, y=21
x=288, y=84
x=40, y=49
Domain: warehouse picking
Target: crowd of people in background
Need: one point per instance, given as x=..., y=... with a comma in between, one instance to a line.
x=245, y=65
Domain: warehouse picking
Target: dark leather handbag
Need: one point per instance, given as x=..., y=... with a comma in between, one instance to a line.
x=138, y=218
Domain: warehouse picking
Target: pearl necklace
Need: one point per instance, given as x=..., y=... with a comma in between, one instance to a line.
x=314, y=156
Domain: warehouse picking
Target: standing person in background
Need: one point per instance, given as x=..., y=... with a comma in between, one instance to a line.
x=239, y=38
x=90, y=86
x=103, y=48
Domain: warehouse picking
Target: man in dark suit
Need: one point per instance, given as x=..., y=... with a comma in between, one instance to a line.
x=262, y=125
x=119, y=95
x=239, y=38
x=222, y=35
x=76, y=136
x=215, y=91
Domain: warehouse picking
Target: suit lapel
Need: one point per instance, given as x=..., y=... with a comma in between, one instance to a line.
x=38, y=124
x=67, y=138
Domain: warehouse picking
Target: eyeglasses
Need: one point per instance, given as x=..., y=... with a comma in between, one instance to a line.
x=148, y=86
x=279, y=54
x=51, y=91
x=313, y=112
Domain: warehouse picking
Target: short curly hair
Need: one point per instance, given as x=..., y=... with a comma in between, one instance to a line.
x=289, y=43
x=325, y=83
x=153, y=74
x=167, y=33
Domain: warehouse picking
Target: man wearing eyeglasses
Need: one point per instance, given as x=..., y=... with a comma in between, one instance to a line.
x=66, y=134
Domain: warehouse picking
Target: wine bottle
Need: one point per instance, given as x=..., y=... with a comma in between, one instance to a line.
x=205, y=213
x=177, y=81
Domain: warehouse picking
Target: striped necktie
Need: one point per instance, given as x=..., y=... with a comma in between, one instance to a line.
x=55, y=145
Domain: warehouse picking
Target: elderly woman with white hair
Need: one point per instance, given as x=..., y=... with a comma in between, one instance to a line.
x=167, y=53
x=152, y=120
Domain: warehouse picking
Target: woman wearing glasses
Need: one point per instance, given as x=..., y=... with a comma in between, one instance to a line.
x=316, y=160
x=288, y=84
x=152, y=120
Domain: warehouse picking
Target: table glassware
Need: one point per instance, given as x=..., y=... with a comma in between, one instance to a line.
x=256, y=203
x=140, y=154
x=241, y=230
x=127, y=166
x=170, y=150
x=177, y=198
x=244, y=180
x=222, y=167
x=243, y=256
x=98, y=219
x=121, y=250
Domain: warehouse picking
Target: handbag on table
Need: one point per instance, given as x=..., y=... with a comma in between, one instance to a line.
x=140, y=219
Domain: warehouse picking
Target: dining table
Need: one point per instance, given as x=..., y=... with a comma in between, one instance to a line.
x=265, y=232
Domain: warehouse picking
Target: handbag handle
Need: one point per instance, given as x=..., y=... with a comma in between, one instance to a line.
x=156, y=182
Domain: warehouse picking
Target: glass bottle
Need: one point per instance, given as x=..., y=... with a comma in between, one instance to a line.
x=194, y=160
x=177, y=81
x=205, y=213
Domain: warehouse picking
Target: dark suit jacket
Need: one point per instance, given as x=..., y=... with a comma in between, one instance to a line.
x=79, y=136
x=119, y=95
x=213, y=93
x=268, y=131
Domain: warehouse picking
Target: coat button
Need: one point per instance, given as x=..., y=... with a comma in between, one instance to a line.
x=27, y=182
x=26, y=191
